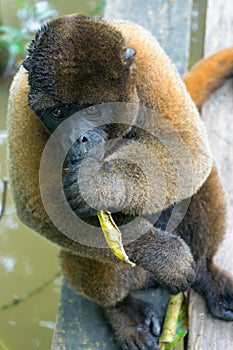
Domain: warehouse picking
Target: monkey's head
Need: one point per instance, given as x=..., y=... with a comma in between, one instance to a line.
x=74, y=63
x=78, y=66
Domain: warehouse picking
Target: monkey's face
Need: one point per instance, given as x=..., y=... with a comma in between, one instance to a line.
x=82, y=67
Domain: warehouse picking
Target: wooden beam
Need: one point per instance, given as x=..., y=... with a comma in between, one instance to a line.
x=80, y=324
x=206, y=332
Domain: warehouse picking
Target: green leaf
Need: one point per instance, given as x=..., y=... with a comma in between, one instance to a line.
x=5, y=43
x=175, y=325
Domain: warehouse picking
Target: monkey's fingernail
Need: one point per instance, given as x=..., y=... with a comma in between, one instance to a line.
x=155, y=326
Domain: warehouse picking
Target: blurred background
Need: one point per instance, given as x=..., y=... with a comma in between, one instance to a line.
x=30, y=277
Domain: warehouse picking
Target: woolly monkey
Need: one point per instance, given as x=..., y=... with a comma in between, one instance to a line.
x=136, y=119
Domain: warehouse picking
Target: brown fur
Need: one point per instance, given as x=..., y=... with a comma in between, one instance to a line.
x=73, y=71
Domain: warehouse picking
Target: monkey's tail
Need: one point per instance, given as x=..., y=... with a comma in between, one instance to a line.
x=209, y=74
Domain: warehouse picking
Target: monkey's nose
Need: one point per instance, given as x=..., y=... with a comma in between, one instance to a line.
x=83, y=139
x=89, y=140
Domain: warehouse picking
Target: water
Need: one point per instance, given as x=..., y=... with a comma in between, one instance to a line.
x=30, y=276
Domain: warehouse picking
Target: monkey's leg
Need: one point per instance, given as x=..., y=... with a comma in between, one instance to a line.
x=167, y=257
x=209, y=74
x=203, y=229
x=135, y=322
x=103, y=282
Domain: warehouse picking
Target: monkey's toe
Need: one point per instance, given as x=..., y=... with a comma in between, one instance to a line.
x=147, y=344
x=144, y=335
x=139, y=340
x=136, y=324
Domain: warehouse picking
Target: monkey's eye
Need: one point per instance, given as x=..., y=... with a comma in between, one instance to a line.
x=57, y=113
x=92, y=110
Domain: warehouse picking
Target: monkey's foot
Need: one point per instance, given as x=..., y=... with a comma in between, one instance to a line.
x=220, y=300
x=136, y=324
x=217, y=287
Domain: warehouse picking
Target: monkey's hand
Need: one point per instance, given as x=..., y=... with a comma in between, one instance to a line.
x=166, y=256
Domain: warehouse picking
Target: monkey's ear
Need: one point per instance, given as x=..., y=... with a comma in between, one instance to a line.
x=27, y=63
x=129, y=55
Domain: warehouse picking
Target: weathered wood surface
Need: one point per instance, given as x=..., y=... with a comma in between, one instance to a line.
x=80, y=324
x=206, y=332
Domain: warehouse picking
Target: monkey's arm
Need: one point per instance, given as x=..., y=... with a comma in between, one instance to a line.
x=208, y=74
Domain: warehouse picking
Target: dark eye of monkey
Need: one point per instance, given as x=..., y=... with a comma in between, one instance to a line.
x=92, y=110
x=57, y=113
x=54, y=116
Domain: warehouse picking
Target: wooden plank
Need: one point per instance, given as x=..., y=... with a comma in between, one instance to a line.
x=80, y=323
x=205, y=331
x=198, y=19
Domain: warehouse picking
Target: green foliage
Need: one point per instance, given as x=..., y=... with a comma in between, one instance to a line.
x=99, y=9
x=4, y=57
x=32, y=14
x=14, y=40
